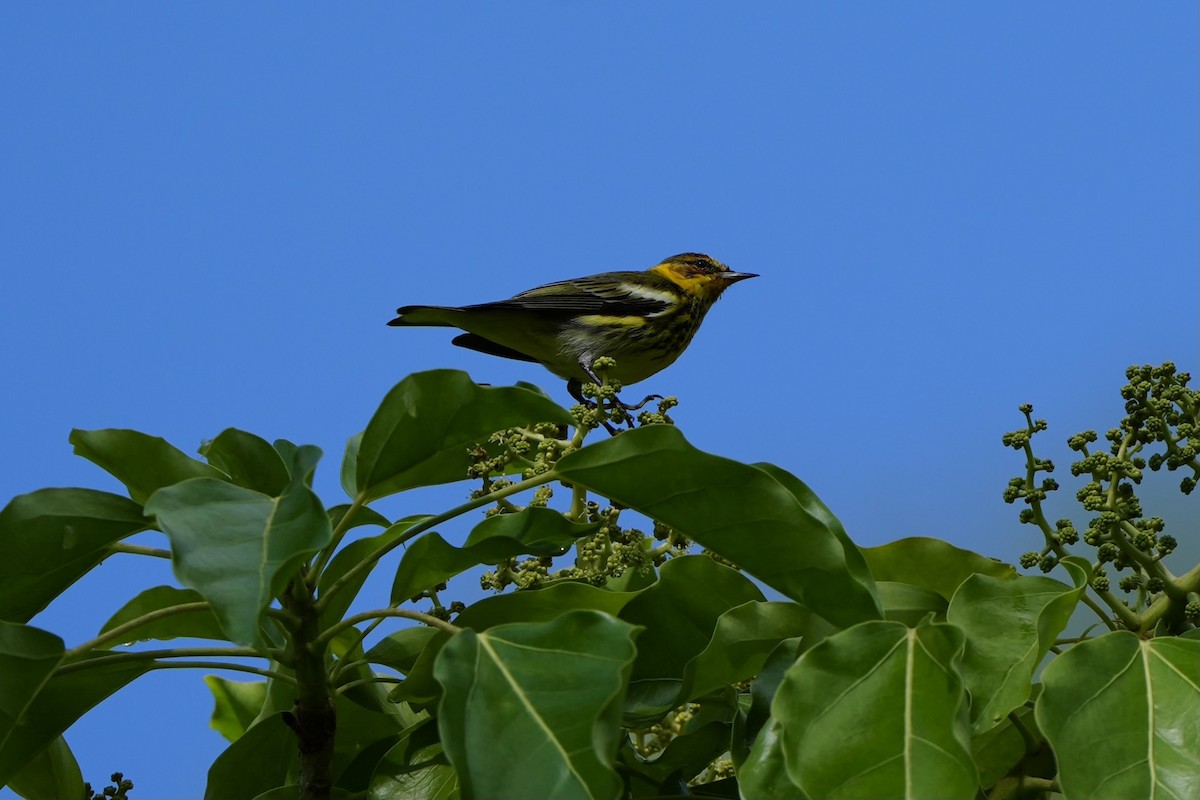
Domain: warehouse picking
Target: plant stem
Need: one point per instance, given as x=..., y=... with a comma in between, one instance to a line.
x=1032, y=744
x=266, y=673
x=1187, y=582
x=116, y=633
x=139, y=550
x=478, y=502
x=364, y=681
x=339, y=532
x=1104, y=618
x=151, y=655
x=381, y=613
x=341, y=663
x=1126, y=614
x=314, y=720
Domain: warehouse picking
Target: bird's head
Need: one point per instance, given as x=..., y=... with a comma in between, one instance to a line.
x=699, y=275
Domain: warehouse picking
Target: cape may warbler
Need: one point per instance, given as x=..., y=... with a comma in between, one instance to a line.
x=643, y=320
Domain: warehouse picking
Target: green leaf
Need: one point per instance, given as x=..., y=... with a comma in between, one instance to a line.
x=28, y=657
x=401, y=649
x=861, y=582
x=909, y=604
x=778, y=532
x=44, y=714
x=764, y=775
x=997, y=750
x=1123, y=717
x=684, y=757
x=358, y=730
x=679, y=612
x=743, y=639
x=762, y=691
x=363, y=515
x=263, y=757
x=51, y=538
x=535, y=707
x=197, y=624
x=421, y=432
x=236, y=705
x=879, y=710
x=415, y=768
x=50, y=775
x=1010, y=624
x=546, y=527
x=301, y=461
x=931, y=564
x=238, y=547
x=349, y=473
x=540, y=605
x=430, y=560
x=143, y=463
x=249, y=461
x=349, y=557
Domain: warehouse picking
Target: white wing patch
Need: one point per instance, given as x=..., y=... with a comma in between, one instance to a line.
x=668, y=299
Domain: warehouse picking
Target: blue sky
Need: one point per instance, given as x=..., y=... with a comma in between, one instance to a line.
x=209, y=213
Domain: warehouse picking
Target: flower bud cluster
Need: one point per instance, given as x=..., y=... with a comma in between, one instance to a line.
x=1159, y=411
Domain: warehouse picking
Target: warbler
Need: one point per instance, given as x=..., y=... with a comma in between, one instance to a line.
x=642, y=320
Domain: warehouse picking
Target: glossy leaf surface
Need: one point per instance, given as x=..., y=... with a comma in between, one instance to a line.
x=1123, y=716
x=51, y=538
x=421, y=432
x=143, y=463
x=194, y=624
x=236, y=705
x=1010, y=623
x=238, y=547
x=777, y=533
x=931, y=564
x=430, y=560
x=878, y=710
x=535, y=707
x=60, y=701
x=50, y=775
x=248, y=460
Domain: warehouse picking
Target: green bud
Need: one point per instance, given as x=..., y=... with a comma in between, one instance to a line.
x=1192, y=610
x=1130, y=583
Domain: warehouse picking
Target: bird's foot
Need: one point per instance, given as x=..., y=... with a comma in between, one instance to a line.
x=620, y=404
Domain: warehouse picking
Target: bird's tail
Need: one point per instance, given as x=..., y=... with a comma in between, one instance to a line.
x=440, y=316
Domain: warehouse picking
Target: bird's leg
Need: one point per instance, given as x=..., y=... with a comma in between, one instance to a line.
x=615, y=401
x=575, y=389
x=640, y=405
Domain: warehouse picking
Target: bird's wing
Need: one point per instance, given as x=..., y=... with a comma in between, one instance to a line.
x=473, y=341
x=610, y=294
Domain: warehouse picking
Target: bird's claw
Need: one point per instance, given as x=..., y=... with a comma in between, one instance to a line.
x=617, y=401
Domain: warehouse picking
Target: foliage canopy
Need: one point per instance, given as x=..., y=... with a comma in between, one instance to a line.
x=611, y=662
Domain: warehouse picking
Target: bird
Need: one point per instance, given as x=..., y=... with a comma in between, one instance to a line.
x=642, y=320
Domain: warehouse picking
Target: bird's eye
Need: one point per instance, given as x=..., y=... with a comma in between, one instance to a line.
x=702, y=264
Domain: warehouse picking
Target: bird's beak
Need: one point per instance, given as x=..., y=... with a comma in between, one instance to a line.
x=734, y=277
